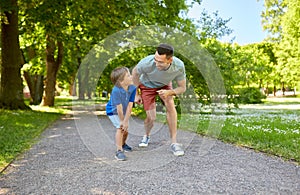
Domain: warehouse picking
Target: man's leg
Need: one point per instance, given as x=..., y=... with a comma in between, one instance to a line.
x=148, y=124
x=148, y=96
x=172, y=122
x=149, y=121
x=171, y=117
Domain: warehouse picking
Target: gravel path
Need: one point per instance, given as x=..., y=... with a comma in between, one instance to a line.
x=76, y=156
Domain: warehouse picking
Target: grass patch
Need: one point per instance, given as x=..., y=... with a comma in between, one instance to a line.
x=272, y=131
x=20, y=129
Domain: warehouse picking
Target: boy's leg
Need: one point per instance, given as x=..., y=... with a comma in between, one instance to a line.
x=125, y=135
x=119, y=139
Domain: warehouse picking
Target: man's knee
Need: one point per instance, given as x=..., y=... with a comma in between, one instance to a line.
x=151, y=116
x=169, y=104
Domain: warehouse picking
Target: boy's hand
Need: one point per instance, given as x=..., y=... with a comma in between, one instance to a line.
x=124, y=127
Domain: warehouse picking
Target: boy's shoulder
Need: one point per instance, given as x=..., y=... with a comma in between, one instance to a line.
x=132, y=87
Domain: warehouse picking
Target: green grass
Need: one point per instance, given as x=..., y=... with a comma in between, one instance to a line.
x=19, y=130
x=272, y=131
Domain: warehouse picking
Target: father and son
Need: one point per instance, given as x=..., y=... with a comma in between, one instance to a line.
x=152, y=76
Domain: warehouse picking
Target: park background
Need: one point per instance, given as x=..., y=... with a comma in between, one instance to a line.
x=43, y=44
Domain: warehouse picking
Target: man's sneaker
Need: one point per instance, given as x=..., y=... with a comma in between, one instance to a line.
x=145, y=141
x=120, y=155
x=126, y=148
x=177, y=150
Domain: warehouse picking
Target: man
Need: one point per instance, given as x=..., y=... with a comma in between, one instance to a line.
x=153, y=75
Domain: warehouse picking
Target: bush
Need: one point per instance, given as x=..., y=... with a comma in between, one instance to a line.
x=250, y=95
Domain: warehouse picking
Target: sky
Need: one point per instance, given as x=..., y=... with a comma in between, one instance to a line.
x=245, y=18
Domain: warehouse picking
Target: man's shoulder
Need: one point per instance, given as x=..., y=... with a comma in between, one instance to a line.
x=146, y=59
x=177, y=61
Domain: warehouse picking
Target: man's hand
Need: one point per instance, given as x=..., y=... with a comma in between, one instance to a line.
x=165, y=93
x=138, y=99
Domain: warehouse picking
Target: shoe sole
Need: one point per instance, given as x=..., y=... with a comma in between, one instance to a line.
x=119, y=159
x=179, y=154
x=143, y=145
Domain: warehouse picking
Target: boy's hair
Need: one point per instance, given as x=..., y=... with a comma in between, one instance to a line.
x=118, y=74
x=165, y=49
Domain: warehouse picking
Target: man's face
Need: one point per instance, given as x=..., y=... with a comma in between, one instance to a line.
x=161, y=61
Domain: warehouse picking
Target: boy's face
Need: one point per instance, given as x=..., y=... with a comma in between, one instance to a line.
x=127, y=79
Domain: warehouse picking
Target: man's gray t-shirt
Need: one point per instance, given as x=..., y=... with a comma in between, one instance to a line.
x=151, y=77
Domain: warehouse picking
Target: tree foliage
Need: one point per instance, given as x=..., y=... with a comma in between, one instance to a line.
x=282, y=19
x=55, y=36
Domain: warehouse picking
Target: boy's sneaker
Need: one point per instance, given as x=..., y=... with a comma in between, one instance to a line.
x=120, y=155
x=126, y=148
x=145, y=141
x=177, y=150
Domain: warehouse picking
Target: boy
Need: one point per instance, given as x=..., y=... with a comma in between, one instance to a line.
x=119, y=107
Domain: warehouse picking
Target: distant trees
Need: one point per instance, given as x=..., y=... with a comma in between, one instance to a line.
x=49, y=39
x=282, y=19
x=55, y=35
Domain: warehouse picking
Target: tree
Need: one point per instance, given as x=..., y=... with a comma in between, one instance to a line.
x=67, y=30
x=11, y=88
x=282, y=19
x=289, y=50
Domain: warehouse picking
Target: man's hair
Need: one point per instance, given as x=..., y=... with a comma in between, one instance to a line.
x=118, y=74
x=165, y=49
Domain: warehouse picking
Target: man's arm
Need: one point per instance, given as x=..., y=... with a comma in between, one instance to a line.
x=178, y=90
x=136, y=82
x=135, y=77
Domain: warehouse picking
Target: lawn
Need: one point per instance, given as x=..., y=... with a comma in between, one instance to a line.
x=19, y=130
x=272, y=127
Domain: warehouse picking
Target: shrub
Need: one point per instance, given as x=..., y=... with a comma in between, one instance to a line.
x=250, y=95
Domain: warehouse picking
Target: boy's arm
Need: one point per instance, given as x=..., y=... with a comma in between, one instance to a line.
x=127, y=115
x=120, y=113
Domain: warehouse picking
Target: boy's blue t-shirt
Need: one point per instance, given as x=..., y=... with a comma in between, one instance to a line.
x=120, y=96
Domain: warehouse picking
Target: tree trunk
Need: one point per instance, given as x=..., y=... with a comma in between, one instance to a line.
x=283, y=89
x=11, y=88
x=34, y=82
x=36, y=87
x=81, y=83
x=52, y=66
x=72, y=87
